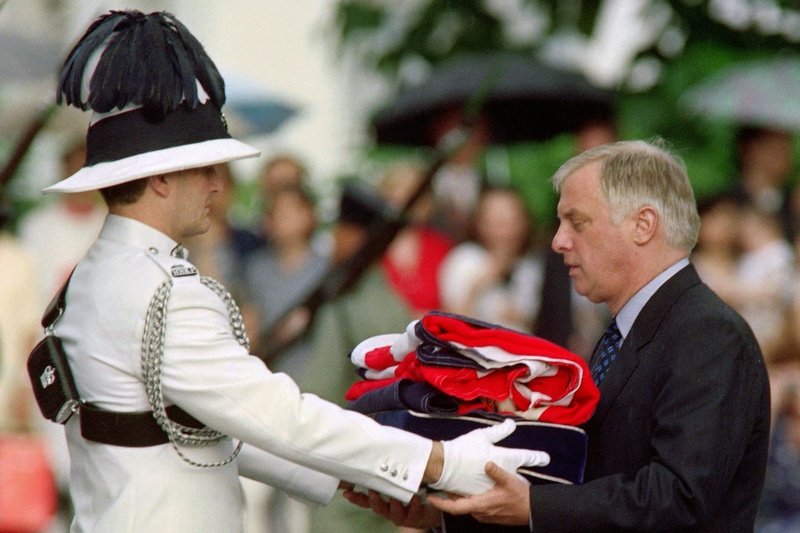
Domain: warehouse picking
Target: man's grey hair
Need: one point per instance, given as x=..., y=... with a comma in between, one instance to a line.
x=638, y=173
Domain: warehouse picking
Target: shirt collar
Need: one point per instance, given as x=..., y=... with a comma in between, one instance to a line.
x=627, y=315
x=137, y=234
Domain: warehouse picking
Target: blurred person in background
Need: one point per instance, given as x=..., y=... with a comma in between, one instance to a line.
x=411, y=262
x=280, y=275
x=765, y=276
x=368, y=308
x=779, y=510
x=594, y=132
x=716, y=256
x=221, y=253
x=59, y=231
x=497, y=276
x=458, y=183
x=20, y=422
x=279, y=172
x=765, y=160
x=19, y=331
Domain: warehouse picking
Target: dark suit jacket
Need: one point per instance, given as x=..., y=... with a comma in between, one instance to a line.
x=680, y=435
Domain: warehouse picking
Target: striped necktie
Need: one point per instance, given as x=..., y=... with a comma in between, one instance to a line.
x=609, y=348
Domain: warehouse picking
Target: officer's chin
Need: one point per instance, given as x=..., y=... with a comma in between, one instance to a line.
x=198, y=229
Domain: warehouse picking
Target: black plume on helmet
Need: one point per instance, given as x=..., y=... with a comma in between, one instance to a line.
x=149, y=60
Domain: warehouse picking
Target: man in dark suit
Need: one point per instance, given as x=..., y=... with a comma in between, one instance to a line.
x=679, y=439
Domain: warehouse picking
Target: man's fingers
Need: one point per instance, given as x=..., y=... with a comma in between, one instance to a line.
x=455, y=505
x=378, y=504
x=415, y=514
x=507, y=503
x=458, y=505
x=405, y=514
x=356, y=498
x=368, y=501
x=497, y=474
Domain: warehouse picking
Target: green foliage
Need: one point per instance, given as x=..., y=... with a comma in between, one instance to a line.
x=693, y=19
x=706, y=146
x=353, y=17
x=443, y=28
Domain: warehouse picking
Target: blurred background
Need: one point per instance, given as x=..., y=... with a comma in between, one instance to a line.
x=334, y=64
x=369, y=93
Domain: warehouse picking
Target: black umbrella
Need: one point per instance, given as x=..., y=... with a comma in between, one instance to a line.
x=525, y=100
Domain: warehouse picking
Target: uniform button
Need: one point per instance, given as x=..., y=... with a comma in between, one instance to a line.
x=153, y=250
x=394, y=472
x=405, y=475
x=384, y=467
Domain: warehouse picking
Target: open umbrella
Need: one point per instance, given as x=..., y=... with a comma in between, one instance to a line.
x=523, y=99
x=252, y=109
x=754, y=93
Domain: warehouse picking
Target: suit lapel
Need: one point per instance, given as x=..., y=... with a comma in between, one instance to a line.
x=639, y=336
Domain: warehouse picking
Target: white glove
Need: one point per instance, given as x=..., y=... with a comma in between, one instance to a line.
x=465, y=459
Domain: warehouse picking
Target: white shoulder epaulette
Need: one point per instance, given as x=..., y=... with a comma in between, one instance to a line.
x=173, y=267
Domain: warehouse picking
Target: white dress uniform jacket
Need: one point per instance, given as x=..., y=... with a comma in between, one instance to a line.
x=211, y=376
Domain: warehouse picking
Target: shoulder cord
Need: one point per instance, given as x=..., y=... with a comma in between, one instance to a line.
x=152, y=356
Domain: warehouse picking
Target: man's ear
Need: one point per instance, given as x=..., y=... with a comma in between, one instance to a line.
x=646, y=225
x=159, y=185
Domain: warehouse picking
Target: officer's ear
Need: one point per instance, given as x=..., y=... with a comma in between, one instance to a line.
x=159, y=185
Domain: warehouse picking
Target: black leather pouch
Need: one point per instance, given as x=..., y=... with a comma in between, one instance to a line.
x=53, y=385
x=48, y=368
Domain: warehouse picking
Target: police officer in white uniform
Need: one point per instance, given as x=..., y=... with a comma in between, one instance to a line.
x=158, y=352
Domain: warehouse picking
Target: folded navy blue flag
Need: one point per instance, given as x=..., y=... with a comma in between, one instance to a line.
x=405, y=394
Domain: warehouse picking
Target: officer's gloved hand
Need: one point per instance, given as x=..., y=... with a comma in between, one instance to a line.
x=465, y=459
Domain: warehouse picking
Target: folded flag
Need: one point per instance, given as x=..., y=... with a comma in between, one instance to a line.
x=483, y=365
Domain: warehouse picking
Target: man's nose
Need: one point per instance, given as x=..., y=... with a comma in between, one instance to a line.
x=560, y=241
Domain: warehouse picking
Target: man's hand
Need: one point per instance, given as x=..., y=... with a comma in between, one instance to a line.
x=465, y=458
x=507, y=503
x=415, y=515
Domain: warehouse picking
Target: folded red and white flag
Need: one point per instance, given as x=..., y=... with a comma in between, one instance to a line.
x=509, y=370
